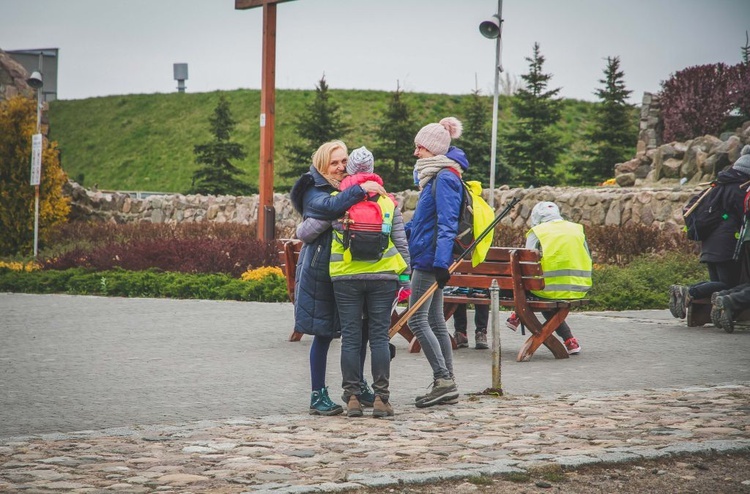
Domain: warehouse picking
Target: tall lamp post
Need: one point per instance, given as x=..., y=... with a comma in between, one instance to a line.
x=36, y=82
x=492, y=29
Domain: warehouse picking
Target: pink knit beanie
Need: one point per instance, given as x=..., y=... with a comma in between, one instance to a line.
x=436, y=137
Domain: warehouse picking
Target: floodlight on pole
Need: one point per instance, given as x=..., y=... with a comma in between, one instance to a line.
x=492, y=29
x=36, y=81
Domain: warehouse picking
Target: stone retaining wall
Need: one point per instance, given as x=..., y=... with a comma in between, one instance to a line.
x=611, y=206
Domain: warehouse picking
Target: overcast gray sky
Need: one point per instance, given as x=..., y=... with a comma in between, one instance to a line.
x=123, y=47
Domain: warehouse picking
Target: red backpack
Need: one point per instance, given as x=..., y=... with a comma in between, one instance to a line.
x=366, y=232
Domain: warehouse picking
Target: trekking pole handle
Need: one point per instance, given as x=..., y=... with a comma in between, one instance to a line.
x=410, y=312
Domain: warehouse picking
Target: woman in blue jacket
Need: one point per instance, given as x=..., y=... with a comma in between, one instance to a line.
x=432, y=232
x=314, y=307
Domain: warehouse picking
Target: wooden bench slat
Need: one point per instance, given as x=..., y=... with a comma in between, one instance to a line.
x=503, y=254
x=505, y=282
x=495, y=268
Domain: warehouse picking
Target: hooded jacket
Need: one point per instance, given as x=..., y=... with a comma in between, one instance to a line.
x=314, y=307
x=427, y=251
x=719, y=246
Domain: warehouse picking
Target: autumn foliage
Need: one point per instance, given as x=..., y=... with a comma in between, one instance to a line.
x=17, y=125
x=697, y=100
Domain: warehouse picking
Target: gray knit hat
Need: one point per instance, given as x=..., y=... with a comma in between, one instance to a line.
x=436, y=137
x=743, y=162
x=360, y=161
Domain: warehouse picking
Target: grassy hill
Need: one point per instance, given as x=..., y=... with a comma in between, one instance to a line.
x=145, y=141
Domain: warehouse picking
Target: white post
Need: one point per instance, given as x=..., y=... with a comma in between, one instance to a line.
x=498, y=69
x=495, y=321
x=38, y=131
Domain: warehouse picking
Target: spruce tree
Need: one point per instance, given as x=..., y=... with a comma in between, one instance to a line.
x=613, y=134
x=476, y=140
x=531, y=147
x=217, y=175
x=321, y=122
x=395, y=147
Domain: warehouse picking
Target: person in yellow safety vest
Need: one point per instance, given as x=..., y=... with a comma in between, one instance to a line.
x=369, y=261
x=566, y=263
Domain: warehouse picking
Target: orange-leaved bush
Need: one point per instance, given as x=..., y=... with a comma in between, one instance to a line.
x=17, y=125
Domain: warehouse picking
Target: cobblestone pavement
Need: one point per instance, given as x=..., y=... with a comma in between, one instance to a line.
x=481, y=436
x=100, y=394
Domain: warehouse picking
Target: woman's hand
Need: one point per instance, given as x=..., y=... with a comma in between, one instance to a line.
x=371, y=186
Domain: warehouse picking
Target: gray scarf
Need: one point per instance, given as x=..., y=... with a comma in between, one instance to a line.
x=427, y=168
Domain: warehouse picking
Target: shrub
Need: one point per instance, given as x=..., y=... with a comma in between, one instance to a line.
x=260, y=273
x=614, y=245
x=697, y=100
x=644, y=283
x=17, y=124
x=188, y=248
x=149, y=283
x=20, y=265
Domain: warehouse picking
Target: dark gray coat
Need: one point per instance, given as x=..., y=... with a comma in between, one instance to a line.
x=719, y=246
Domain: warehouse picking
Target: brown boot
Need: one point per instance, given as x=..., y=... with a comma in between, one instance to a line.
x=353, y=407
x=381, y=408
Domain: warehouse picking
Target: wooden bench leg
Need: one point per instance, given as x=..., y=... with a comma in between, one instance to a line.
x=405, y=331
x=698, y=314
x=542, y=334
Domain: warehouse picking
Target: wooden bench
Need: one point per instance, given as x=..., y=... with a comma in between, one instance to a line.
x=699, y=313
x=516, y=271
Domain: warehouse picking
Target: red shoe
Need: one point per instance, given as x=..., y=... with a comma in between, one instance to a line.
x=513, y=321
x=572, y=346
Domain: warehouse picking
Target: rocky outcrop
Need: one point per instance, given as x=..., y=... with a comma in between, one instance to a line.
x=691, y=162
x=12, y=78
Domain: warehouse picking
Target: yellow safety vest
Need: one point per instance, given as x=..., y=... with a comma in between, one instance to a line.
x=565, y=260
x=391, y=262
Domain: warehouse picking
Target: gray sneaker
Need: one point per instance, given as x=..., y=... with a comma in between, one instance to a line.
x=676, y=305
x=716, y=308
x=481, y=340
x=444, y=391
x=725, y=319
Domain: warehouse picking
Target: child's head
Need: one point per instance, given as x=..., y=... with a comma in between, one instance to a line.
x=360, y=161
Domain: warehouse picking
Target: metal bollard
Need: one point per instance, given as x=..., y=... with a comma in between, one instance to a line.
x=495, y=318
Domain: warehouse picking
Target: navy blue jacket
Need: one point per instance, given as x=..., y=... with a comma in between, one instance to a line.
x=427, y=252
x=314, y=306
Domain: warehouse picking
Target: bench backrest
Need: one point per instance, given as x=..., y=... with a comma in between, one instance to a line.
x=501, y=264
x=288, y=256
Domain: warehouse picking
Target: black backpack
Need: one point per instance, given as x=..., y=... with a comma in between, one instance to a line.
x=465, y=235
x=703, y=213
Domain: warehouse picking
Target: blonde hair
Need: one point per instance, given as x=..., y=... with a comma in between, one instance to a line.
x=322, y=157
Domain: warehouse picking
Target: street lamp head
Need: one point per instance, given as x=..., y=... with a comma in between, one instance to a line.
x=35, y=80
x=490, y=29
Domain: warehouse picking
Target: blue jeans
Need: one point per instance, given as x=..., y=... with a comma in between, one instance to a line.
x=428, y=325
x=376, y=297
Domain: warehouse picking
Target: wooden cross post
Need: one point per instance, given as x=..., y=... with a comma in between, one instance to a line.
x=266, y=213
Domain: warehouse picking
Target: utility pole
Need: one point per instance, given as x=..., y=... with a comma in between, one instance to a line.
x=266, y=221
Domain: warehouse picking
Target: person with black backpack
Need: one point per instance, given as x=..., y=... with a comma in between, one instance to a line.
x=716, y=222
x=432, y=233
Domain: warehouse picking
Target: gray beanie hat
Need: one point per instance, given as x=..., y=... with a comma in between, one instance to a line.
x=360, y=161
x=544, y=212
x=743, y=162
